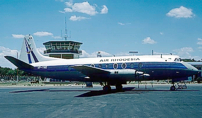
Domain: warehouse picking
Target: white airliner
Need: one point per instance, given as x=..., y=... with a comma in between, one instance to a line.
x=108, y=71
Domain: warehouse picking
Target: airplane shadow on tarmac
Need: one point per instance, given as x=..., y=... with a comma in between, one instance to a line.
x=101, y=92
x=127, y=90
x=91, y=93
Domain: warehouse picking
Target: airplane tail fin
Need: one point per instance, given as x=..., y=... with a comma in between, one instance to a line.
x=29, y=53
x=20, y=64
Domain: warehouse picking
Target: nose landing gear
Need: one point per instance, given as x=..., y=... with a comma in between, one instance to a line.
x=173, y=88
x=178, y=86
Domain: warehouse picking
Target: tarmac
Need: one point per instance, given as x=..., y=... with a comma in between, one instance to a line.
x=77, y=101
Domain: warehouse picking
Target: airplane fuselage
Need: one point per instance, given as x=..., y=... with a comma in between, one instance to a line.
x=131, y=68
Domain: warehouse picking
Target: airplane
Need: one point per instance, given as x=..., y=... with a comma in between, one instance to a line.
x=108, y=71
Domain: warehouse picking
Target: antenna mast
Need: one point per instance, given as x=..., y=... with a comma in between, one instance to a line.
x=65, y=30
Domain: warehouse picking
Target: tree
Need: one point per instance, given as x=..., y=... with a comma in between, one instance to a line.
x=9, y=71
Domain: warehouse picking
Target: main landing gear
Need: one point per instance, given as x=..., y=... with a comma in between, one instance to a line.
x=107, y=87
x=119, y=87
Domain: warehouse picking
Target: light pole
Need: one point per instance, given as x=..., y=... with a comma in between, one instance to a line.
x=17, y=68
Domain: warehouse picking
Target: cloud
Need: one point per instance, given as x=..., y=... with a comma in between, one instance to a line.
x=7, y=52
x=104, y=9
x=200, y=48
x=161, y=33
x=75, y=18
x=83, y=7
x=43, y=34
x=67, y=10
x=69, y=4
x=184, y=52
x=199, y=41
x=62, y=12
x=181, y=12
x=18, y=36
x=148, y=40
x=123, y=23
x=57, y=37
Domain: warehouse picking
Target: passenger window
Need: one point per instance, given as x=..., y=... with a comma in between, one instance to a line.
x=69, y=68
x=115, y=66
x=123, y=65
x=132, y=65
x=100, y=66
x=140, y=65
x=107, y=66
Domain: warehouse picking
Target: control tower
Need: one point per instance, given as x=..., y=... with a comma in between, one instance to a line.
x=63, y=49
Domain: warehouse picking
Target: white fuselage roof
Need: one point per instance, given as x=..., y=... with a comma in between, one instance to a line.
x=122, y=59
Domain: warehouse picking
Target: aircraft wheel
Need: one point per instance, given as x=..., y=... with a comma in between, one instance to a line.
x=172, y=88
x=107, y=88
x=119, y=87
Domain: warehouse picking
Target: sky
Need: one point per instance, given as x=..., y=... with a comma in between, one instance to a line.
x=109, y=26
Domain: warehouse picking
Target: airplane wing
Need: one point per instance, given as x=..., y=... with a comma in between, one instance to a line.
x=90, y=71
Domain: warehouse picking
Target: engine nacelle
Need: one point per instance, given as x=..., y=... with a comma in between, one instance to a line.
x=128, y=74
x=122, y=72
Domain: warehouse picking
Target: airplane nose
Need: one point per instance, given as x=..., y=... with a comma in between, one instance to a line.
x=191, y=68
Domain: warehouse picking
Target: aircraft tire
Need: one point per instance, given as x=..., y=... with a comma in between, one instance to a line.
x=172, y=88
x=119, y=87
x=107, y=88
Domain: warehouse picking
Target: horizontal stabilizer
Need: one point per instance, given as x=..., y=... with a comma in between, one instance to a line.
x=20, y=64
x=90, y=71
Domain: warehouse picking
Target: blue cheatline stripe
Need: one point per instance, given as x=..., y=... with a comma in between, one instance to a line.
x=28, y=55
x=146, y=65
x=29, y=58
x=35, y=59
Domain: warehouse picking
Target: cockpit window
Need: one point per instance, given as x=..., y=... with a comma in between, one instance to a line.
x=177, y=59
